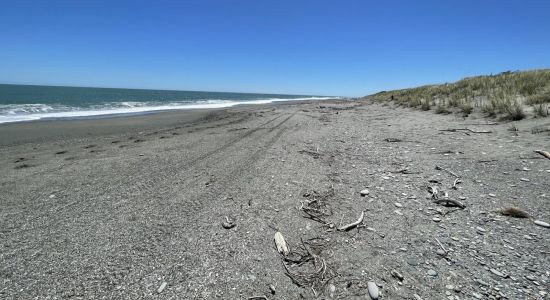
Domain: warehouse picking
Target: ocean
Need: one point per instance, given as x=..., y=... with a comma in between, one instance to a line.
x=20, y=103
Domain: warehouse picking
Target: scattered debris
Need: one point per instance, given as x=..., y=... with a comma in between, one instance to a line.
x=162, y=287
x=450, y=203
x=543, y=153
x=315, y=278
x=281, y=244
x=465, y=129
x=352, y=225
x=258, y=298
x=513, y=212
x=393, y=140
x=228, y=224
x=455, y=183
x=446, y=170
x=397, y=275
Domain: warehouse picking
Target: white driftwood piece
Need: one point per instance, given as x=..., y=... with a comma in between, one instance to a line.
x=543, y=153
x=354, y=224
x=281, y=244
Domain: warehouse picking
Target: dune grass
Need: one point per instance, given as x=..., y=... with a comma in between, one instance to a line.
x=505, y=95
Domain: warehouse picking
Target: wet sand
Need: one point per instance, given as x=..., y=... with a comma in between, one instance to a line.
x=113, y=208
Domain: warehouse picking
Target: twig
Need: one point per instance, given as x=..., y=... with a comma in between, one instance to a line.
x=457, y=181
x=353, y=224
x=257, y=298
x=446, y=170
x=441, y=245
x=465, y=129
x=543, y=153
x=449, y=202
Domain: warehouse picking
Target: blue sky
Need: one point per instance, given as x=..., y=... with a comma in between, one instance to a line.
x=336, y=47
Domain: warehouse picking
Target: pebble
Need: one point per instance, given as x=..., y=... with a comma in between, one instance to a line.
x=524, y=179
x=412, y=262
x=481, y=282
x=436, y=219
x=432, y=273
x=162, y=287
x=498, y=273
x=492, y=195
x=480, y=230
x=140, y=154
x=364, y=192
x=440, y=252
x=332, y=289
x=541, y=223
x=52, y=196
x=397, y=204
x=373, y=290
x=398, y=212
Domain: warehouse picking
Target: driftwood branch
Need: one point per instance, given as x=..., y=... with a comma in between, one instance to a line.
x=450, y=203
x=465, y=129
x=543, y=153
x=447, y=170
x=441, y=245
x=352, y=225
x=457, y=181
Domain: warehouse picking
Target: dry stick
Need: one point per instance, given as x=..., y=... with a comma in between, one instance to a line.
x=446, y=170
x=354, y=224
x=457, y=181
x=450, y=202
x=543, y=153
x=465, y=129
x=440, y=245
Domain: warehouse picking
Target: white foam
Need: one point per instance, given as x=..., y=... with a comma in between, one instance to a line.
x=32, y=112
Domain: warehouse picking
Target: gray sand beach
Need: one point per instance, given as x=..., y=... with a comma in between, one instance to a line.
x=185, y=205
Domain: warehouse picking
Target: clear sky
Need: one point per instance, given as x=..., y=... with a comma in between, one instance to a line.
x=324, y=47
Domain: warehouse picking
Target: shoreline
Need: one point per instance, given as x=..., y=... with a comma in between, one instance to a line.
x=14, y=133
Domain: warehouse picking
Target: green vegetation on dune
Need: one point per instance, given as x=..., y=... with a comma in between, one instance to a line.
x=504, y=95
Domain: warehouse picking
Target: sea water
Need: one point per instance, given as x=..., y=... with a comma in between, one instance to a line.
x=32, y=102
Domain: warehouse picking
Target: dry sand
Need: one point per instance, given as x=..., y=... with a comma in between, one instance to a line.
x=131, y=208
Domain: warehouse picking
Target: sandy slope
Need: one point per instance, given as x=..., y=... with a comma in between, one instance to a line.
x=119, y=213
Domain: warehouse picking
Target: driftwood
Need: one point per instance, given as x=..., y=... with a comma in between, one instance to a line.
x=441, y=245
x=465, y=129
x=446, y=170
x=543, y=153
x=315, y=278
x=352, y=225
x=450, y=203
x=433, y=190
x=282, y=246
x=457, y=181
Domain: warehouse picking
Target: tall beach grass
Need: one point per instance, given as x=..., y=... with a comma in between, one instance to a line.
x=506, y=95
